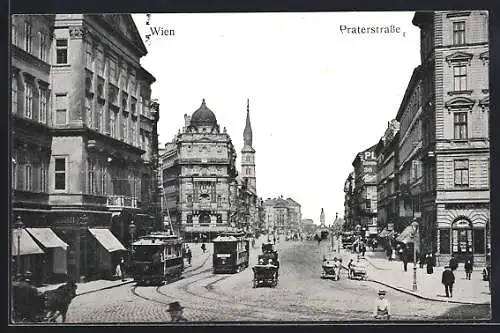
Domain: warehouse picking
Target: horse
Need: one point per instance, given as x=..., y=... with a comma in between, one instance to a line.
x=57, y=301
x=27, y=303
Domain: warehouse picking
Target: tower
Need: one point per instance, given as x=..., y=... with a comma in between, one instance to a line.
x=248, y=155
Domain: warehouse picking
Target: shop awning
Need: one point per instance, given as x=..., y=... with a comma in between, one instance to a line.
x=406, y=236
x=47, y=237
x=386, y=233
x=27, y=245
x=106, y=238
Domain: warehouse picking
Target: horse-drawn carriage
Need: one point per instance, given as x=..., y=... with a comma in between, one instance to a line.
x=265, y=275
x=29, y=305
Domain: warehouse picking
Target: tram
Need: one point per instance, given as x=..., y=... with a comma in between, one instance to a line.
x=157, y=258
x=231, y=253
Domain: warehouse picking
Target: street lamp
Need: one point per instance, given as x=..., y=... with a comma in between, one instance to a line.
x=414, y=226
x=19, y=229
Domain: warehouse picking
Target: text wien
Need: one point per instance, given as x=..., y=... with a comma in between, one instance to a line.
x=160, y=31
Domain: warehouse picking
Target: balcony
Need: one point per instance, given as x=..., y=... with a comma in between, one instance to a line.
x=121, y=201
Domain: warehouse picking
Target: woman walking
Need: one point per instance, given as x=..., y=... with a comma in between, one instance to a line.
x=430, y=263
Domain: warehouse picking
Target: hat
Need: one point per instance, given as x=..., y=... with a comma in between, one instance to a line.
x=381, y=292
x=175, y=306
x=446, y=267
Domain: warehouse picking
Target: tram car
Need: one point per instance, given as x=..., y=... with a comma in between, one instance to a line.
x=231, y=253
x=157, y=258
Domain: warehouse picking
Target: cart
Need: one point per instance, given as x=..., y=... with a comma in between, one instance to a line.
x=265, y=275
x=358, y=270
x=330, y=268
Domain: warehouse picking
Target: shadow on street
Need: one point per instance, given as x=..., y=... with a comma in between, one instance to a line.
x=467, y=312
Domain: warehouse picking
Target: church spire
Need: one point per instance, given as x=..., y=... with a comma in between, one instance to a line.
x=247, y=133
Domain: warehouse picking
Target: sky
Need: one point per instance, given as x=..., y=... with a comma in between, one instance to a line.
x=317, y=96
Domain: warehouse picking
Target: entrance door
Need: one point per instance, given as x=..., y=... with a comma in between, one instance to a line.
x=462, y=242
x=204, y=218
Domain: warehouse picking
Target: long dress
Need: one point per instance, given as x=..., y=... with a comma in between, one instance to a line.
x=430, y=266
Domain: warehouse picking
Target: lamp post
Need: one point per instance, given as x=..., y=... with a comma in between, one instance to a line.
x=19, y=229
x=414, y=225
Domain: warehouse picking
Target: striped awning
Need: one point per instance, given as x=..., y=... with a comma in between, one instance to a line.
x=27, y=245
x=47, y=237
x=106, y=238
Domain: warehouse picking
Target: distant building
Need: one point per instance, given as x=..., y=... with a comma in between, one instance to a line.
x=282, y=215
x=308, y=226
x=365, y=190
x=387, y=197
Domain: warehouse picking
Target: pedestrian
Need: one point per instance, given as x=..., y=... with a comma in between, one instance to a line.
x=189, y=255
x=374, y=244
x=203, y=247
x=338, y=269
x=382, y=307
x=468, y=268
x=350, y=268
x=122, y=268
x=363, y=249
x=430, y=263
x=448, y=279
x=421, y=261
x=176, y=312
x=118, y=271
x=404, y=257
x=453, y=263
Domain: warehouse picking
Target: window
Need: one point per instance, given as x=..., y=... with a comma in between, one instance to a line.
x=43, y=178
x=112, y=125
x=104, y=180
x=460, y=125
x=461, y=172
x=28, y=38
x=88, y=112
x=89, y=56
x=459, y=33
x=28, y=177
x=444, y=241
x=61, y=51
x=14, y=93
x=100, y=63
x=124, y=129
x=460, y=78
x=28, y=100
x=14, y=171
x=133, y=138
x=14, y=35
x=189, y=198
x=368, y=204
x=99, y=116
x=91, y=176
x=60, y=174
x=43, y=46
x=61, y=109
x=42, y=108
x=112, y=71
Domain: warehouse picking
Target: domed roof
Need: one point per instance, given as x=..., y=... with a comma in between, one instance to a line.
x=203, y=116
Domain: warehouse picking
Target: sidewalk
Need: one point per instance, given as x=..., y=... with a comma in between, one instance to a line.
x=91, y=286
x=391, y=274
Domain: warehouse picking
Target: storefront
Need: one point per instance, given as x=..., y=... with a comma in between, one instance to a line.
x=104, y=252
x=26, y=255
x=464, y=240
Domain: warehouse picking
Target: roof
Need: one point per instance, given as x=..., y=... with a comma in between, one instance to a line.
x=149, y=242
x=47, y=237
x=247, y=132
x=26, y=244
x=107, y=239
x=203, y=116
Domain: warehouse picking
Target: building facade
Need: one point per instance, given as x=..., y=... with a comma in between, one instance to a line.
x=387, y=157
x=455, y=138
x=282, y=215
x=89, y=104
x=365, y=190
x=199, y=178
x=348, y=204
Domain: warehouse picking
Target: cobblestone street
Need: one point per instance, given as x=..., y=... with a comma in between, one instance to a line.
x=300, y=296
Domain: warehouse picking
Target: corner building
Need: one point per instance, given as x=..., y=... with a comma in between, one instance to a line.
x=88, y=102
x=455, y=139
x=199, y=177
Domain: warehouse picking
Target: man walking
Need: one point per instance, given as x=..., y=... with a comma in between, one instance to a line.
x=468, y=268
x=453, y=263
x=448, y=279
x=404, y=257
x=176, y=312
